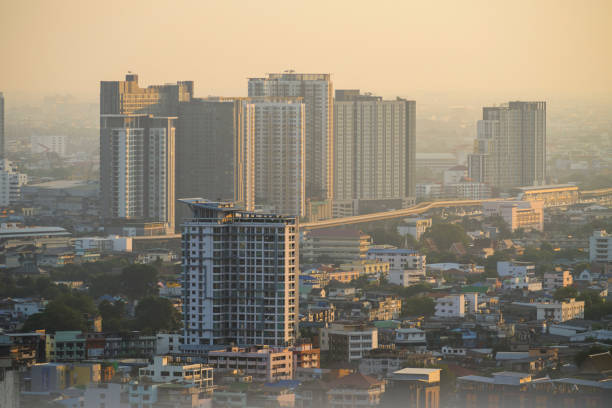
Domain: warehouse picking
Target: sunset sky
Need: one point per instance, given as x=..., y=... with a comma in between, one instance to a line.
x=532, y=49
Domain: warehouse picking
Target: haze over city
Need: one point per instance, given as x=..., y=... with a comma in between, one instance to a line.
x=319, y=204
x=512, y=49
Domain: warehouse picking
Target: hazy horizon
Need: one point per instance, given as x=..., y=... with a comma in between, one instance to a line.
x=475, y=50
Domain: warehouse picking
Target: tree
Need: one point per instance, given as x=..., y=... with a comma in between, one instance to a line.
x=565, y=293
x=444, y=235
x=113, y=316
x=418, y=305
x=67, y=312
x=139, y=281
x=154, y=314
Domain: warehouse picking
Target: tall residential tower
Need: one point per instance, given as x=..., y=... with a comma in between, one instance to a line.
x=510, y=149
x=316, y=90
x=137, y=151
x=374, y=147
x=240, y=274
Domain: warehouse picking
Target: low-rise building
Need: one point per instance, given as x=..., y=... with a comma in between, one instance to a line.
x=414, y=226
x=168, y=369
x=347, y=341
x=523, y=283
x=339, y=245
x=406, y=277
x=413, y=387
x=561, y=311
x=410, y=337
x=514, y=269
x=600, y=247
x=526, y=215
x=450, y=306
x=556, y=280
x=398, y=258
x=266, y=364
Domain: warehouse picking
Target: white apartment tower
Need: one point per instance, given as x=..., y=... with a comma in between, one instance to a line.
x=510, y=149
x=276, y=128
x=316, y=90
x=239, y=276
x=374, y=147
x=137, y=167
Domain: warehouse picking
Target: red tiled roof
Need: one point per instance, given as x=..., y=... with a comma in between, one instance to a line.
x=356, y=380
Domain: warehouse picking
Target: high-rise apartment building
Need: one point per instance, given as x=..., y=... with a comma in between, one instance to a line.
x=1, y=125
x=137, y=168
x=10, y=183
x=374, y=147
x=276, y=127
x=316, y=90
x=510, y=149
x=212, y=154
x=137, y=150
x=240, y=276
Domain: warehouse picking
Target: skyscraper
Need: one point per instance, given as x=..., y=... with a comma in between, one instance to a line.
x=276, y=128
x=240, y=276
x=510, y=149
x=1, y=125
x=317, y=93
x=212, y=153
x=374, y=147
x=137, y=168
x=137, y=150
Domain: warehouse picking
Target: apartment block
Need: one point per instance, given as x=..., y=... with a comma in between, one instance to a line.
x=510, y=148
x=348, y=341
x=374, y=147
x=337, y=245
x=239, y=276
x=556, y=280
x=398, y=258
x=526, y=215
x=450, y=306
x=168, y=369
x=316, y=91
x=600, y=247
x=137, y=168
x=265, y=364
x=11, y=182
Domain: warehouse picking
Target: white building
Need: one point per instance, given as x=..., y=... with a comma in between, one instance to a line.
x=113, y=243
x=522, y=282
x=398, y=258
x=359, y=338
x=450, y=306
x=561, y=311
x=277, y=128
x=10, y=183
x=374, y=147
x=137, y=164
x=515, y=269
x=48, y=144
x=429, y=191
x=405, y=277
x=600, y=247
x=167, y=369
x=518, y=214
x=317, y=93
x=239, y=276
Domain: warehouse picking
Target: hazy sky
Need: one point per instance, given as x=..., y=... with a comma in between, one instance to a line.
x=529, y=49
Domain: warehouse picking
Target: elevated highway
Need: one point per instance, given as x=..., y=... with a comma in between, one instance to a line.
x=603, y=196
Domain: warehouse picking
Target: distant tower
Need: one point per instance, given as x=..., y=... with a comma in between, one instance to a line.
x=317, y=93
x=510, y=150
x=137, y=151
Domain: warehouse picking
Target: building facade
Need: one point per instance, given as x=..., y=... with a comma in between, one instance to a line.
x=510, y=148
x=600, y=247
x=239, y=276
x=11, y=181
x=316, y=90
x=374, y=147
x=2, y=136
x=526, y=215
x=137, y=168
